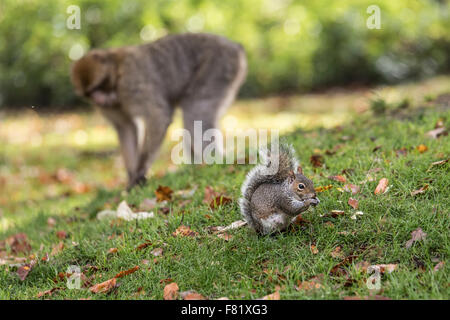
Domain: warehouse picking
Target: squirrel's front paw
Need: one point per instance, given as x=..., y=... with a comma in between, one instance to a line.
x=313, y=201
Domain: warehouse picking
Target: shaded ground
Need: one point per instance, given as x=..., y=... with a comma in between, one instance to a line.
x=65, y=168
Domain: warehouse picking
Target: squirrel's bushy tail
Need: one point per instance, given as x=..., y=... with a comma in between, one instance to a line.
x=266, y=173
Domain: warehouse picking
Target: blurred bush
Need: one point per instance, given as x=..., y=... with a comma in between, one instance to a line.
x=292, y=45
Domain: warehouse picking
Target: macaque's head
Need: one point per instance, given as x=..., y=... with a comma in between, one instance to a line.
x=93, y=77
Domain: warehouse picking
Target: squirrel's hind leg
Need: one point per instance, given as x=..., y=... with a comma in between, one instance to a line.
x=274, y=223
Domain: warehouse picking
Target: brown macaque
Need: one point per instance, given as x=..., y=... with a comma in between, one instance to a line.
x=138, y=87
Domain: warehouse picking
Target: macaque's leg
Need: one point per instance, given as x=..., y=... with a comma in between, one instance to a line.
x=151, y=129
x=207, y=110
x=210, y=94
x=126, y=132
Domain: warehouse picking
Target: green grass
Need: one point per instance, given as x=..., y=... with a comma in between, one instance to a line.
x=247, y=266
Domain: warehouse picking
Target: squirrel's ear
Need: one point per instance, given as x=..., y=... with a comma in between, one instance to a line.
x=299, y=170
x=291, y=176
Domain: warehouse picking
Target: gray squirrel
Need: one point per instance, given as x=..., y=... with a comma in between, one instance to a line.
x=271, y=200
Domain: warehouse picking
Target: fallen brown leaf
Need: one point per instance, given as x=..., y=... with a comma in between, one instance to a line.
x=210, y=194
x=225, y=236
x=314, y=249
x=112, y=251
x=184, y=231
x=163, y=193
x=23, y=271
x=316, y=160
x=127, y=272
x=338, y=178
x=354, y=189
x=143, y=245
x=416, y=235
x=337, y=253
x=311, y=284
x=324, y=188
x=157, y=252
x=419, y=191
x=57, y=248
x=436, y=133
x=219, y=201
x=171, y=291
x=19, y=243
x=353, y=203
x=438, y=163
x=422, y=148
x=47, y=292
x=382, y=185
x=61, y=234
x=104, y=287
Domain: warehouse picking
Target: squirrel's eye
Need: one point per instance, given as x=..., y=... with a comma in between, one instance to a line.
x=301, y=186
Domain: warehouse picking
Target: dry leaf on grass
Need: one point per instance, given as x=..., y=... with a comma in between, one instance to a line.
x=61, y=234
x=316, y=160
x=143, y=245
x=47, y=292
x=353, y=203
x=57, y=248
x=436, y=133
x=112, y=251
x=313, y=283
x=422, y=148
x=157, y=252
x=225, y=236
x=337, y=253
x=323, y=188
x=416, y=235
x=171, y=291
x=314, y=249
x=191, y=295
x=163, y=193
x=354, y=189
x=104, y=287
x=210, y=194
x=338, y=178
x=24, y=270
x=18, y=243
x=419, y=191
x=333, y=214
x=127, y=272
x=219, y=201
x=184, y=231
x=382, y=185
x=438, y=163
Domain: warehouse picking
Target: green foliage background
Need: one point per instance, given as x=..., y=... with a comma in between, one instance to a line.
x=292, y=45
